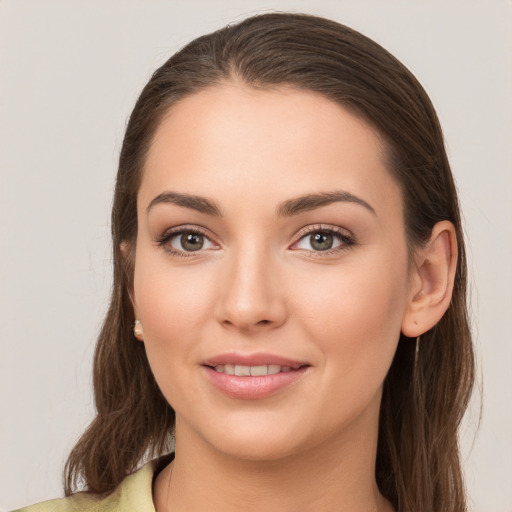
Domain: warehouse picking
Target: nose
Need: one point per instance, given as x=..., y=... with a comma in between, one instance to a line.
x=251, y=296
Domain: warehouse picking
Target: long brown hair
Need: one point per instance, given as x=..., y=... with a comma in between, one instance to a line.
x=418, y=465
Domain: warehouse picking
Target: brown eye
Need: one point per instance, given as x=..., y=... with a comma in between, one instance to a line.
x=326, y=240
x=321, y=241
x=192, y=241
x=183, y=242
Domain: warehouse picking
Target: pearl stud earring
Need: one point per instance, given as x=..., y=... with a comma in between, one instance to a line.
x=137, y=330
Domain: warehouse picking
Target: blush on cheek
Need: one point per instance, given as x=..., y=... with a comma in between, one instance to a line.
x=174, y=307
x=357, y=315
x=169, y=295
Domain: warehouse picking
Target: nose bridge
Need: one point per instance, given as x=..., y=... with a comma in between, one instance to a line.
x=251, y=296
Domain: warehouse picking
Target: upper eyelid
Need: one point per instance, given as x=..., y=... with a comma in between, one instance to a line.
x=322, y=227
x=176, y=230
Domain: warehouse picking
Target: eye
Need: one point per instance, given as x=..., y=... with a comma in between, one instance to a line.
x=324, y=240
x=183, y=241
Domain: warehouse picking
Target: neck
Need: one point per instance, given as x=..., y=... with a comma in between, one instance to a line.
x=329, y=478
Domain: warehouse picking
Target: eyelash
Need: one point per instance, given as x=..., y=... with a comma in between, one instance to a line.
x=341, y=235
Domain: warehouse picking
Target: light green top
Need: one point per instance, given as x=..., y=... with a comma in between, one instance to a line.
x=134, y=494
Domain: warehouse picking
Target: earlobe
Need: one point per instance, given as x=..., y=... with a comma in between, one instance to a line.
x=137, y=330
x=432, y=282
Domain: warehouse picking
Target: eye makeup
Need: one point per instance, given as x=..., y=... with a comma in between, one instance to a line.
x=189, y=241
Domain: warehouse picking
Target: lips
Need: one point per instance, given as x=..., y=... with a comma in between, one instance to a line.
x=251, y=371
x=254, y=376
x=258, y=359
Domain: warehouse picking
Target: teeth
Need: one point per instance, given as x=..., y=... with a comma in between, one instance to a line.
x=259, y=370
x=273, y=369
x=246, y=371
x=242, y=371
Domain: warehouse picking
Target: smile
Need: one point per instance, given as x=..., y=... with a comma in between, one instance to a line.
x=253, y=376
x=252, y=371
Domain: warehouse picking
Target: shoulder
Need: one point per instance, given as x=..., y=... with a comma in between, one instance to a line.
x=80, y=501
x=134, y=494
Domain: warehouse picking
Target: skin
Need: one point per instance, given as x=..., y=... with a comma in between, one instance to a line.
x=259, y=284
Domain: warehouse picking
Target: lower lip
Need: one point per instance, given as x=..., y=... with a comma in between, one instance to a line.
x=253, y=388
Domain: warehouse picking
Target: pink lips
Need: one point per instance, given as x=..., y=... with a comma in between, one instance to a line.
x=252, y=387
x=252, y=360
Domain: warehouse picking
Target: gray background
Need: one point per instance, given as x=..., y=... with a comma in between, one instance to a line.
x=69, y=74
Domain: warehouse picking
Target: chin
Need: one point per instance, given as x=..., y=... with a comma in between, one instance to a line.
x=258, y=449
x=253, y=437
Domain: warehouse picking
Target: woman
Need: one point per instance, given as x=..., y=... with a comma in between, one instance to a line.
x=289, y=292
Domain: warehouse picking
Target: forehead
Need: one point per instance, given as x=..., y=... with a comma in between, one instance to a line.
x=233, y=140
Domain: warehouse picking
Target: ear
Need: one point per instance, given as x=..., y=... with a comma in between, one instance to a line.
x=431, y=281
x=128, y=262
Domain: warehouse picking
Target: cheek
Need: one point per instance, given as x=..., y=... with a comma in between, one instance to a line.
x=166, y=293
x=172, y=304
x=354, y=314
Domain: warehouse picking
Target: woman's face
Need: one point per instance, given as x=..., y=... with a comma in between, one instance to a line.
x=270, y=245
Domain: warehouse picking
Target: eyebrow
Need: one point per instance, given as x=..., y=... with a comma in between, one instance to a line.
x=287, y=208
x=313, y=201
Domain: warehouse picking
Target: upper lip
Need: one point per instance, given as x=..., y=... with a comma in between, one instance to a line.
x=258, y=359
